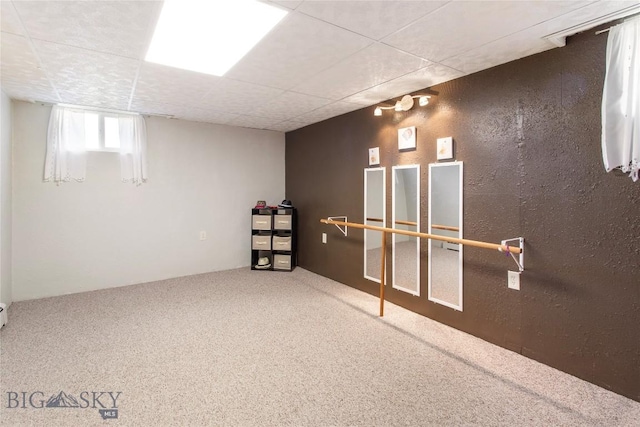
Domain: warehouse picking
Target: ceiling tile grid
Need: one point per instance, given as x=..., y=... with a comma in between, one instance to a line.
x=81, y=74
x=288, y=105
x=22, y=76
x=207, y=116
x=326, y=112
x=289, y=125
x=531, y=40
x=297, y=49
x=159, y=109
x=372, y=66
x=463, y=25
x=116, y=27
x=288, y=4
x=325, y=58
x=159, y=83
x=237, y=97
x=430, y=75
x=373, y=19
x=253, y=122
x=9, y=21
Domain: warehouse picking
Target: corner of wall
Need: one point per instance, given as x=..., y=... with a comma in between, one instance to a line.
x=6, y=291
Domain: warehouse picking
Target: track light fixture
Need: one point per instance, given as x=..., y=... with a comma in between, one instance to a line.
x=403, y=104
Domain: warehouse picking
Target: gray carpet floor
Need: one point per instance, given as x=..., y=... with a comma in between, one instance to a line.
x=261, y=348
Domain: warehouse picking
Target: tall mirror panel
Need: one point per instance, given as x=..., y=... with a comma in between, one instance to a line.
x=374, y=214
x=445, y=219
x=406, y=216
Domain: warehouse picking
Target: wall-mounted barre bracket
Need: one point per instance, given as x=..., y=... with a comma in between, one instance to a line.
x=520, y=260
x=344, y=230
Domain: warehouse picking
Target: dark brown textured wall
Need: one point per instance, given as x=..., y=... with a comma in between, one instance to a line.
x=529, y=135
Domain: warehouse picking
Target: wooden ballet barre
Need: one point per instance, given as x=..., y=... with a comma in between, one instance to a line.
x=467, y=242
x=445, y=227
x=383, y=248
x=397, y=221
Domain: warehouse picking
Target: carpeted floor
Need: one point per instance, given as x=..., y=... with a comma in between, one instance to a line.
x=260, y=348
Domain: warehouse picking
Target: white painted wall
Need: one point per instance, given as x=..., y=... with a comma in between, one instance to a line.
x=5, y=200
x=103, y=233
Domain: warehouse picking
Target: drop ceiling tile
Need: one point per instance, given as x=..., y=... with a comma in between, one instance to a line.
x=32, y=94
x=288, y=125
x=372, y=66
x=585, y=14
x=117, y=27
x=252, y=122
x=9, y=21
x=332, y=110
x=96, y=99
x=463, y=25
x=501, y=51
x=159, y=109
x=81, y=74
x=168, y=85
x=237, y=97
x=20, y=73
x=373, y=19
x=298, y=48
x=207, y=116
x=421, y=79
x=289, y=4
x=288, y=105
x=529, y=41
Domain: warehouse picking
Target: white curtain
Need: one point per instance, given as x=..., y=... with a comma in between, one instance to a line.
x=621, y=100
x=133, y=149
x=66, y=157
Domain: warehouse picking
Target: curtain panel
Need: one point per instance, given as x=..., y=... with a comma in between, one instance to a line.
x=66, y=157
x=133, y=149
x=621, y=100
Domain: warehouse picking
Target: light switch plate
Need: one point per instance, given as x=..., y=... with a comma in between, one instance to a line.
x=324, y=237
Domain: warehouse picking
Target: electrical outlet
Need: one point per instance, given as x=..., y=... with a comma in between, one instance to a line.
x=513, y=280
x=203, y=235
x=324, y=237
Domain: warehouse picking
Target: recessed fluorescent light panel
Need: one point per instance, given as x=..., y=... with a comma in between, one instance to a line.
x=210, y=36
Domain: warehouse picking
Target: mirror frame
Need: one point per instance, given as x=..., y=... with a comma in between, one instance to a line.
x=460, y=236
x=393, y=225
x=384, y=215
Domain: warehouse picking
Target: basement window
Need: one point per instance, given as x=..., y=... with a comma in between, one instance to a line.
x=102, y=132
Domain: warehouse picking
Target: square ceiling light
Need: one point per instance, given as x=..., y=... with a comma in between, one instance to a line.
x=209, y=36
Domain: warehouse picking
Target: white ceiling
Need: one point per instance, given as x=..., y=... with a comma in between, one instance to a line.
x=324, y=59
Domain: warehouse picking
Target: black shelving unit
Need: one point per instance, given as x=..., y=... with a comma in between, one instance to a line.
x=274, y=236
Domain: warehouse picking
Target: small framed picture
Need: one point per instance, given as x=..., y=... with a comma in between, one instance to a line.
x=445, y=148
x=407, y=138
x=374, y=156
